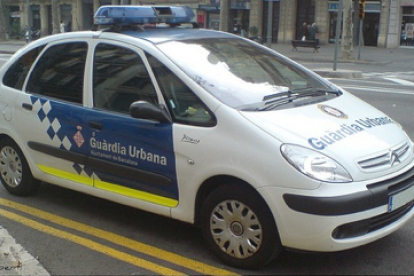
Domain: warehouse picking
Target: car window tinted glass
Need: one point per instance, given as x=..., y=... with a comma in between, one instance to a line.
x=59, y=72
x=17, y=72
x=237, y=72
x=185, y=107
x=119, y=79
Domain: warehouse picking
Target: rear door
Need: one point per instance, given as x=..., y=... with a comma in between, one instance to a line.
x=51, y=113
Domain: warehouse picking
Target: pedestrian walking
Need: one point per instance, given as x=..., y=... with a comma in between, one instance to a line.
x=304, y=31
x=62, y=27
x=312, y=31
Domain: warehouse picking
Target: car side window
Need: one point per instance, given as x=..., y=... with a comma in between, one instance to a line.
x=59, y=72
x=119, y=79
x=17, y=72
x=185, y=107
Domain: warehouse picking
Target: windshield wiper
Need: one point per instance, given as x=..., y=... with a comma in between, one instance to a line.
x=274, y=100
x=309, y=91
x=277, y=95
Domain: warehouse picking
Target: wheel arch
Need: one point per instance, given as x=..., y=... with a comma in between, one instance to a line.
x=225, y=188
x=18, y=178
x=4, y=136
x=215, y=182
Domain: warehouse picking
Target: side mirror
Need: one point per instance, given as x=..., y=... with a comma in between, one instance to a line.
x=148, y=111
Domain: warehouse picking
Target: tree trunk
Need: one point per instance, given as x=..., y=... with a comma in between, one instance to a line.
x=3, y=30
x=55, y=19
x=224, y=15
x=347, y=34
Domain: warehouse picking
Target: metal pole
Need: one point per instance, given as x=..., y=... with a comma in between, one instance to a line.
x=28, y=21
x=338, y=30
x=269, y=23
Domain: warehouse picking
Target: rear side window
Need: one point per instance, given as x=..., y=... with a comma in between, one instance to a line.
x=119, y=79
x=16, y=74
x=59, y=72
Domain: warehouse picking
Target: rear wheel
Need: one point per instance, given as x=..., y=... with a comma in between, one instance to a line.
x=15, y=173
x=239, y=228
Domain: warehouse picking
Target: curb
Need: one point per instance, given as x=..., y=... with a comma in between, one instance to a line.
x=330, y=60
x=14, y=260
x=341, y=74
x=6, y=52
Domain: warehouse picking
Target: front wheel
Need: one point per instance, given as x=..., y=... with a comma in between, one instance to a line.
x=239, y=228
x=15, y=173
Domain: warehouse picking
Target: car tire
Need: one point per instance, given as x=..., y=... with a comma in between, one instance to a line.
x=239, y=227
x=15, y=173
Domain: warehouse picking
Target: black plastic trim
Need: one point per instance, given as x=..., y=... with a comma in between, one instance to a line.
x=101, y=165
x=363, y=227
x=376, y=195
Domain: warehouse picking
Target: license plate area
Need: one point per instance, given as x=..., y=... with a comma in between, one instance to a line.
x=400, y=199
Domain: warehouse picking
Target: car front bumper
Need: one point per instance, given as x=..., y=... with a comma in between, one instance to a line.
x=340, y=222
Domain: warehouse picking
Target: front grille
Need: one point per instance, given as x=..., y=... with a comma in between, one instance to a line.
x=386, y=159
x=382, y=191
x=363, y=227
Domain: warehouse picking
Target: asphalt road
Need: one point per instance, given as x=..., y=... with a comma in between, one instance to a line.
x=75, y=234
x=393, y=95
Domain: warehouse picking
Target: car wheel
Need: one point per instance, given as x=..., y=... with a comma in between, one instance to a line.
x=14, y=171
x=239, y=227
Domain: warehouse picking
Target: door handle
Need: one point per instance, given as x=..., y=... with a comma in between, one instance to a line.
x=27, y=106
x=95, y=125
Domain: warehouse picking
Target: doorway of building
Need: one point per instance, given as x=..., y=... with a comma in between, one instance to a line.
x=275, y=20
x=370, y=29
x=407, y=27
x=305, y=16
x=35, y=24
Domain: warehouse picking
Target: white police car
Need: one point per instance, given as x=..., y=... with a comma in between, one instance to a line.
x=205, y=127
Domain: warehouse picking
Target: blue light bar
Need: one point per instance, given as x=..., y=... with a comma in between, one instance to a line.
x=126, y=15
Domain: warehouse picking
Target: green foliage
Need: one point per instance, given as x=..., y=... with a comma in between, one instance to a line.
x=16, y=32
x=253, y=30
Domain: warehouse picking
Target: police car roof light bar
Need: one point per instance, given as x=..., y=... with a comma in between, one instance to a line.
x=129, y=15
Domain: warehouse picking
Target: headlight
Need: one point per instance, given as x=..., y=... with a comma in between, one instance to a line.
x=314, y=164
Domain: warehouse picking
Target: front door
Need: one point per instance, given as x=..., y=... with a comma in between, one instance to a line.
x=128, y=156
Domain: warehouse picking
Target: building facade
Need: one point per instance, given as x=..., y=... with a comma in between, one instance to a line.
x=387, y=23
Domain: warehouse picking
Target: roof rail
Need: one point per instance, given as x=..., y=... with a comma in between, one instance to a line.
x=133, y=15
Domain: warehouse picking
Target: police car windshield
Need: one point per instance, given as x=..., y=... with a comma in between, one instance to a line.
x=238, y=72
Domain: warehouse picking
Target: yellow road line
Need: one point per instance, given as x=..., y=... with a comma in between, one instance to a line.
x=90, y=244
x=201, y=267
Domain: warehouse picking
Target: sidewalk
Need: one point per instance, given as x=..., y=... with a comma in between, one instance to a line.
x=11, y=46
x=322, y=61
x=371, y=59
x=14, y=260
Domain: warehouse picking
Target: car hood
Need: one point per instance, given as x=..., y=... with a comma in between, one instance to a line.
x=346, y=129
